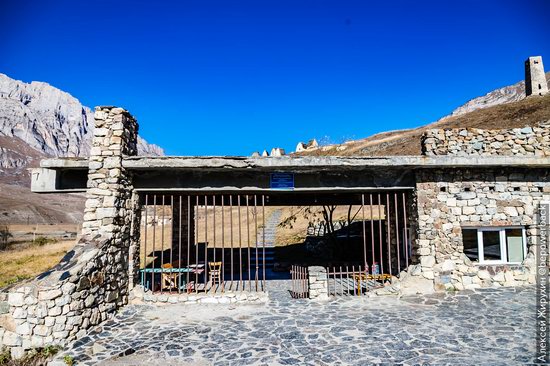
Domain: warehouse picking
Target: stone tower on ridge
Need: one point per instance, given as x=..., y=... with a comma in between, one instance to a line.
x=535, y=79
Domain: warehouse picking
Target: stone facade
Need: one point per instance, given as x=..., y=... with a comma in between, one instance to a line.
x=93, y=279
x=528, y=141
x=449, y=200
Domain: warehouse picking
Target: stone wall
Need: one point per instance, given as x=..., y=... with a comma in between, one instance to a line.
x=318, y=283
x=448, y=200
x=138, y=295
x=93, y=279
x=529, y=141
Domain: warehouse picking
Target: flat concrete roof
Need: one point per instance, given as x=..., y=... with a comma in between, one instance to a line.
x=307, y=162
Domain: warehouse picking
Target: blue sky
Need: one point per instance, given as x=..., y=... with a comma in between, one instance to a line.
x=232, y=77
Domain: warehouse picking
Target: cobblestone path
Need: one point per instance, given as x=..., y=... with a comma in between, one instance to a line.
x=485, y=327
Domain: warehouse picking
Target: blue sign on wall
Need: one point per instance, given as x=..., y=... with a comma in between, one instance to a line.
x=282, y=181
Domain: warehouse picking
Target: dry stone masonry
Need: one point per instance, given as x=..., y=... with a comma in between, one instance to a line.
x=535, y=79
x=528, y=141
x=450, y=200
x=93, y=279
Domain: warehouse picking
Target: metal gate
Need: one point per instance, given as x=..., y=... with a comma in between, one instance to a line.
x=300, y=284
x=203, y=242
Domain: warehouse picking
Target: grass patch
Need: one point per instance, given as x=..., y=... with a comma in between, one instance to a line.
x=26, y=261
x=35, y=357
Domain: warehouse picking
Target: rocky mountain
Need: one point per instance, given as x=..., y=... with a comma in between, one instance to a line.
x=39, y=120
x=507, y=94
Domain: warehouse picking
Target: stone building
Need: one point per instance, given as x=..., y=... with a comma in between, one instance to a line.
x=535, y=78
x=463, y=215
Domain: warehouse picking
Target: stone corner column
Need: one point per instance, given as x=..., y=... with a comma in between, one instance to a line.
x=109, y=184
x=318, y=283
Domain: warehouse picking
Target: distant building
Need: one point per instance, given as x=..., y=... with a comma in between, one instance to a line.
x=277, y=151
x=312, y=144
x=535, y=79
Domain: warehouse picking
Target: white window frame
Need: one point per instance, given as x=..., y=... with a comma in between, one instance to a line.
x=503, y=246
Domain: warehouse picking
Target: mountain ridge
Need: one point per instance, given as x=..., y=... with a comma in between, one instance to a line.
x=48, y=120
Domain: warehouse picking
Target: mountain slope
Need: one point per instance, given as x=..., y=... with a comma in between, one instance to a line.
x=506, y=107
x=39, y=121
x=46, y=119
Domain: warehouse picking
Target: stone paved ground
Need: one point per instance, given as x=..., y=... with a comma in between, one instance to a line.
x=485, y=327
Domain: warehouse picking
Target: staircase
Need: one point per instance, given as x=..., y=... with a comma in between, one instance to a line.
x=270, y=232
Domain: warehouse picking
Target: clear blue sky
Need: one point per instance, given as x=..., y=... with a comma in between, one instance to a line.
x=232, y=77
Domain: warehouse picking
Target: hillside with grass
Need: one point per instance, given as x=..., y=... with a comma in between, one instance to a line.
x=503, y=108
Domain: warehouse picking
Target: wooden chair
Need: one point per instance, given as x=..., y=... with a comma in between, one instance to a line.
x=169, y=280
x=214, y=272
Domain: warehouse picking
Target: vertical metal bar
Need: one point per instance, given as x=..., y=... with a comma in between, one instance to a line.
x=179, y=274
x=406, y=234
x=353, y=279
x=188, y=236
x=302, y=293
x=214, y=237
x=334, y=278
x=388, y=233
x=304, y=281
x=263, y=242
x=328, y=280
x=172, y=243
x=240, y=244
x=380, y=232
x=397, y=234
x=364, y=229
x=162, y=246
x=248, y=241
x=196, y=241
x=256, y=234
x=347, y=280
x=231, y=234
x=206, y=269
x=154, y=241
x=222, y=275
x=214, y=224
x=371, y=230
x=292, y=280
x=341, y=283
x=143, y=278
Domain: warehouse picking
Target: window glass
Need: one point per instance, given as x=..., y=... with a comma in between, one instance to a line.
x=469, y=240
x=514, y=245
x=491, y=245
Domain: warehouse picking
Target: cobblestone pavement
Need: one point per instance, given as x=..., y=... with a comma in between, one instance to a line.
x=485, y=327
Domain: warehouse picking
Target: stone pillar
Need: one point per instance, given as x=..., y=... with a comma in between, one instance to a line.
x=107, y=211
x=318, y=283
x=112, y=208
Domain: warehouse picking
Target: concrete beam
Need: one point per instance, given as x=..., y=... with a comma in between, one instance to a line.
x=331, y=162
x=43, y=180
x=306, y=162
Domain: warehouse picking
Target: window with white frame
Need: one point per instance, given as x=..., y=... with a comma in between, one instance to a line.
x=495, y=244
